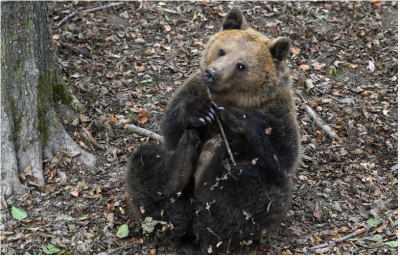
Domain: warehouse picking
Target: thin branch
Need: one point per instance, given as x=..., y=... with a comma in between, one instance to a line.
x=145, y=132
x=219, y=123
x=212, y=232
x=337, y=240
x=327, y=94
x=298, y=93
x=336, y=146
x=229, y=243
x=309, y=41
x=86, y=134
x=89, y=10
x=116, y=249
x=322, y=125
x=383, y=49
x=331, y=61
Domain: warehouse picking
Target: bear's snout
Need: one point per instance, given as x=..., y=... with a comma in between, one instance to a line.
x=209, y=76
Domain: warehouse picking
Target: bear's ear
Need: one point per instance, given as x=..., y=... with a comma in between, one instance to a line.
x=279, y=48
x=234, y=19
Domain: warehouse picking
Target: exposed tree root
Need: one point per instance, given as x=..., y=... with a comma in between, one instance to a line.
x=59, y=137
x=14, y=161
x=9, y=182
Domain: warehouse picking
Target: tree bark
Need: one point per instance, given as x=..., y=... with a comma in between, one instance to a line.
x=31, y=84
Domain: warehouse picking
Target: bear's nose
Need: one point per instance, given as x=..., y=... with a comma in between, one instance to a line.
x=209, y=75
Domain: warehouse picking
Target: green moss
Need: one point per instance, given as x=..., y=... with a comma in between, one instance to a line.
x=2, y=174
x=50, y=90
x=20, y=41
x=20, y=72
x=60, y=93
x=16, y=119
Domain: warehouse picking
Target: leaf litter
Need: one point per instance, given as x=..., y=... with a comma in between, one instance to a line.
x=123, y=61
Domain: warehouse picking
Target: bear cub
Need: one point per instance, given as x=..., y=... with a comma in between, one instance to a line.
x=211, y=205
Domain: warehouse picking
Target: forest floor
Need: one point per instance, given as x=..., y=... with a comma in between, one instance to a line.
x=123, y=64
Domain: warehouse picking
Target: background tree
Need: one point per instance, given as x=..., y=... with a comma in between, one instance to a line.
x=30, y=84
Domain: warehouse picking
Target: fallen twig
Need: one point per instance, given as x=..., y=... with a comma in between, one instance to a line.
x=145, y=132
x=89, y=10
x=309, y=41
x=331, y=61
x=116, y=249
x=327, y=95
x=219, y=123
x=322, y=125
x=298, y=93
x=86, y=134
x=383, y=49
x=337, y=240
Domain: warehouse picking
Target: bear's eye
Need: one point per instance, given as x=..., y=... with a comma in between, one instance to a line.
x=221, y=52
x=241, y=67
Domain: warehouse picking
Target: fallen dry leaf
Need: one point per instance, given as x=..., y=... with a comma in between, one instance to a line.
x=167, y=28
x=53, y=174
x=81, y=50
x=287, y=252
x=90, y=235
x=143, y=113
x=50, y=188
x=74, y=193
x=304, y=67
x=113, y=119
x=353, y=66
x=28, y=170
x=385, y=112
x=295, y=50
x=84, y=118
x=318, y=214
x=319, y=66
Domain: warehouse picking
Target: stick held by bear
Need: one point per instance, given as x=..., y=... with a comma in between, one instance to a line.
x=214, y=206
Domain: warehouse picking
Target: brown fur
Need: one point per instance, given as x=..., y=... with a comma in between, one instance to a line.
x=267, y=87
x=213, y=207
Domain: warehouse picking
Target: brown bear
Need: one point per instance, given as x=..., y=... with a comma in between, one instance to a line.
x=212, y=204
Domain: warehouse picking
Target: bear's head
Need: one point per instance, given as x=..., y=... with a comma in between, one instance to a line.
x=240, y=61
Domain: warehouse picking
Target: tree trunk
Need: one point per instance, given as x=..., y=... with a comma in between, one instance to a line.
x=31, y=83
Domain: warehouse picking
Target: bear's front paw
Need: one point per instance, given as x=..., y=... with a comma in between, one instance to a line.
x=196, y=112
x=236, y=120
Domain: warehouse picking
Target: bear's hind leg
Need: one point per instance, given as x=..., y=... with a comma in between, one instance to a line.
x=184, y=158
x=208, y=165
x=154, y=174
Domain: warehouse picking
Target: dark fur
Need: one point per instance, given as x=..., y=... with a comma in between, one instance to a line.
x=220, y=203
